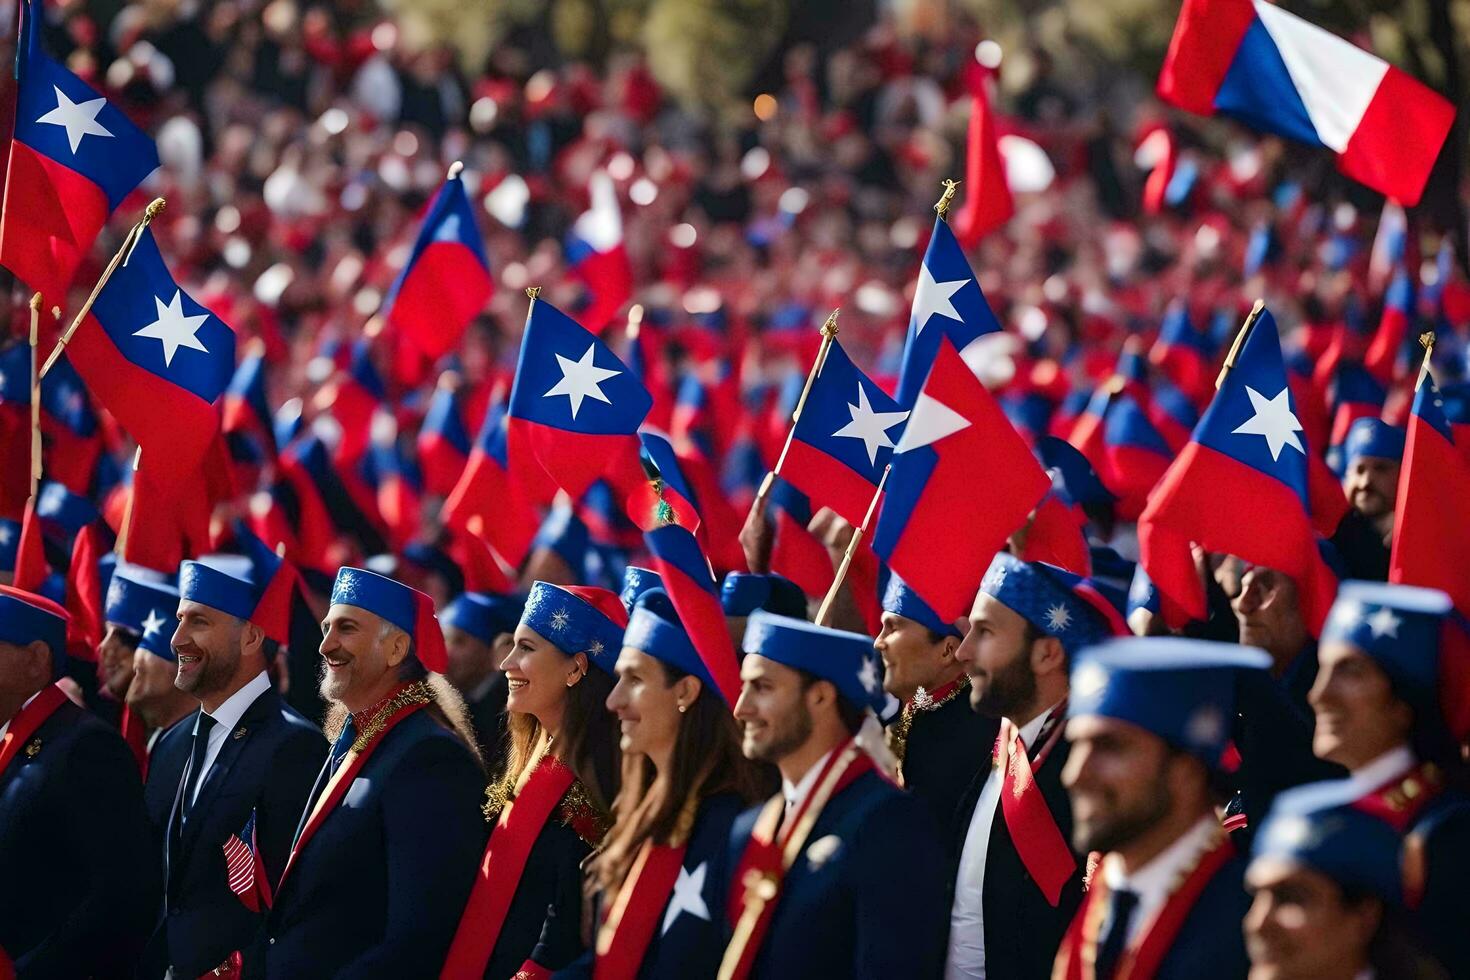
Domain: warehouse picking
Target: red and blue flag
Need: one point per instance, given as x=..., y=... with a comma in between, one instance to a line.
x=687, y=578
x=596, y=255
x=1431, y=528
x=443, y=442
x=486, y=490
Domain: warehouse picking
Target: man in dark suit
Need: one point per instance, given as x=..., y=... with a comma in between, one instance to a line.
x=243, y=754
x=388, y=846
x=1018, y=882
x=75, y=895
x=842, y=874
x=478, y=630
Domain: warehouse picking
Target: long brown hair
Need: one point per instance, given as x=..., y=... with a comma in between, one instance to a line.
x=587, y=742
x=658, y=806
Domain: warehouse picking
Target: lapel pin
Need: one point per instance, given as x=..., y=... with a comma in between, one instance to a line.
x=33, y=748
x=239, y=733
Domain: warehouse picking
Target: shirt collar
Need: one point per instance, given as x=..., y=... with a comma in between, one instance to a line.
x=795, y=793
x=1152, y=882
x=1390, y=765
x=228, y=715
x=5, y=727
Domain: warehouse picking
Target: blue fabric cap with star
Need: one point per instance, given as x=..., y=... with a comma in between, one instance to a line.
x=156, y=633
x=221, y=582
x=577, y=619
x=846, y=659
x=1398, y=627
x=1182, y=690
x=1046, y=597
x=564, y=533
x=903, y=601
x=742, y=593
x=482, y=615
x=655, y=629
x=378, y=594
x=137, y=595
x=1373, y=437
x=26, y=617
x=636, y=581
x=1317, y=826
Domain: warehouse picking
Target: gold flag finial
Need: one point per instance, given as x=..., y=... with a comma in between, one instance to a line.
x=941, y=207
x=154, y=208
x=533, y=292
x=829, y=329
x=1426, y=339
x=455, y=169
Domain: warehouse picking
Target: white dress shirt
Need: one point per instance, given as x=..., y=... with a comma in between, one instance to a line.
x=226, y=717
x=1153, y=882
x=5, y=726
x=966, y=957
x=796, y=792
x=1390, y=765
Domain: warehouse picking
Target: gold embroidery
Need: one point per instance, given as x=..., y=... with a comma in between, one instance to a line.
x=416, y=693
x=579, y=812
x=898, y=735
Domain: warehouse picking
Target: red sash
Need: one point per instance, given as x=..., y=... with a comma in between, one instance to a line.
x=1034, y=831
x=634, y=915
x=1142, y=958
x=768, y=856
x=500, y=872
x=27, y=720
x=338, y=786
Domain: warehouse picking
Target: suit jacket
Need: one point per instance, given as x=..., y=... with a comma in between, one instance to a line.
x=379, y=888
x=946, y=748
x=1210, y=943
x=266, y=765
x=1022, y=929
x=865, y=898
x=78, y=880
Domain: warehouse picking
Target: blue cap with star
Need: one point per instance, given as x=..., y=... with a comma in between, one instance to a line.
x=1398, y=627
x=138, y=598
x=846, y=659
x=1182, y=690
x=26, y=617
x=221, y=582
x=1373, y=437
x=1317, y=827
x=636, y=581
x=655, y=629
x=1051, y=599
x=578, y=619
x=742, y=593
x=157, y=629
x=901, y=600
x=482, y=615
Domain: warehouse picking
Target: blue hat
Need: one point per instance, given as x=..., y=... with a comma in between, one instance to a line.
x=903, y=601
x=138, y=596
x=9, y=544
x=26, y=617
x=1318, y=827
x=1398, y=627
x=406, y=608
x=1142, y=594
x=637, y=581
x=742, y=593
x=482, y=615
x=655, y=629
x=1051, y=599
x=156, y=631
x=221, y=582
x=1079, y=479
x=578, y=619
x=846, y=659
x=1181, y=690
x=1373, y=437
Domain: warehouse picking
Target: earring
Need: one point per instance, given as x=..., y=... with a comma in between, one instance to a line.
x=683, y=708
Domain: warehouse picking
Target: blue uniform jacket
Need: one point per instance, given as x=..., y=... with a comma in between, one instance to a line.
x=378, y=890
x=865, y=899
x=78, y=879
x=1210, y=943
x=267, y=764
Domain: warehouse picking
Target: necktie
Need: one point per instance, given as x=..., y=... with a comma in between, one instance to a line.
x=1114, y=938
x=343, y=744
x=196, y=760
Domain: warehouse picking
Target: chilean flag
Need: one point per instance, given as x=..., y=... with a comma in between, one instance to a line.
x=245, y=414
x=843, y=439
x=157, y=360
x=1135, y=454
x=485, y=491
x=446, y=281
x=686, y=577
x=1183, y=352
x=1386, y=351
x=1253, y=61
x=70, y=428
x=1431, y=529
x=1239, y=487
x=443, y=442
x=398, y=484
x=596, y=255
x=796, y=553
x=1356, y=394
x=1172, y=412
x=73, y=160
x=574, y=407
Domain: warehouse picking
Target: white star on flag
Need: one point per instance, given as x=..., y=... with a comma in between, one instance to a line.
x=581, y=379
x=1383, y=622
x=153, y=623
x=868, y=676
x=77, y=118
x=1058, y=618
x=173, y=329
x=869, y=426
x=688, y=896
x=934, y=297
x=930, y=421
x=1274, y=420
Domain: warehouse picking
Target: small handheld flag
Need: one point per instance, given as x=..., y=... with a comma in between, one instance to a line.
x=244, y=870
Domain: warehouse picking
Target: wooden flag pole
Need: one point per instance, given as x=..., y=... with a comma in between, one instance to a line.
x=1250, y=321
x=829, y=333
x=35, y=396
x=123, y=253
x=127, y=519
x=1427, y=340
x=852, y=546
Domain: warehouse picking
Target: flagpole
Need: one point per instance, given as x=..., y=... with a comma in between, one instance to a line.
x=1427, y=340
x=852, y=546
x=941, y=207
x=149, y=213
x=127, y=518
x=35, y=396
x=1257, y=309
x=829, y=333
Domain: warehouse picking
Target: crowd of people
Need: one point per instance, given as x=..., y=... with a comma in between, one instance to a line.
x=344, y=734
